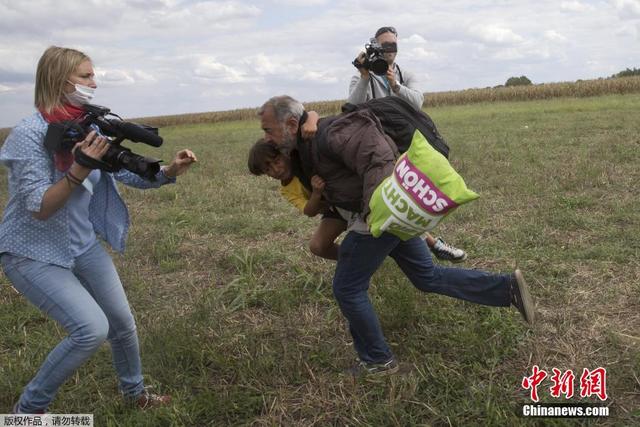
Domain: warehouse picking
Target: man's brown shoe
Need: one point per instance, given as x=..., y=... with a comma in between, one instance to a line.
x=521, y=298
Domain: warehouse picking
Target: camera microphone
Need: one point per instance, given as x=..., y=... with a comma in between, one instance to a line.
x=138, y=133
x=119, y=128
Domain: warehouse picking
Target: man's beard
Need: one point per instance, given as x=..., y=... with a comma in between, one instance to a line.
x=288, y=141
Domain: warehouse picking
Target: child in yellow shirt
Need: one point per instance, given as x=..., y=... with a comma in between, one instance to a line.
x=266, y=159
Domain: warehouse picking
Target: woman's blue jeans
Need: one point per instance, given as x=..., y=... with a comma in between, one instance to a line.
x=89, y=302
x=362, y=254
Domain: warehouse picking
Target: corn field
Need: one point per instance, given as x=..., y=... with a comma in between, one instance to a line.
x=578, y=89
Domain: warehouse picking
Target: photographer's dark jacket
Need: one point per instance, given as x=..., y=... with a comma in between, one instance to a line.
x=351, y=153
x=31, y=173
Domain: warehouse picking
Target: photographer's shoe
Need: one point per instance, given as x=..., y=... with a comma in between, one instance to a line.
x=444, y=251
x=362, y=369
x=521, y=298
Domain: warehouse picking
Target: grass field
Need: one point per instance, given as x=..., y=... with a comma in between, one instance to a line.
x=237, y=320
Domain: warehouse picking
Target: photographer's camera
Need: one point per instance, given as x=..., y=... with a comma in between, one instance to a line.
x=374, y=58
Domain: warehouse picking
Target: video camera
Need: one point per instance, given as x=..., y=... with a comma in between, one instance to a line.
x=63, y=136
x=374, y=59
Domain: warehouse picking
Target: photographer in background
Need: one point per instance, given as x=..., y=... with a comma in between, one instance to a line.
x=48, y=236
x=395, y=82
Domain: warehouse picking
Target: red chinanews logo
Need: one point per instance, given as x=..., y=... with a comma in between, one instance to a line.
x=592, y=383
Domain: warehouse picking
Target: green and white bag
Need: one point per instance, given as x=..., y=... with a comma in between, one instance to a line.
x=422, y=190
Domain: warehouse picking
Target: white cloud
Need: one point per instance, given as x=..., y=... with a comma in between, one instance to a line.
x=575, y=6
x=158, y=57
x=142, y=76
x=204, y=15
x=422, y=53
x=222, y=92
x=414, y=39
x=554, y=36
x=628, y=31
x=319, y=77
x=275, y=65
x=627, y=9
x=150, y=4
x=305, y=3
x=210, y=69
x=121, y=77
x=261, y=64
x=510, y=54
x=414, y=47
x=494, y=34
x=113, y=77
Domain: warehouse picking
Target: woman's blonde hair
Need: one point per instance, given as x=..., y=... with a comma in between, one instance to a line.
x=54, y=68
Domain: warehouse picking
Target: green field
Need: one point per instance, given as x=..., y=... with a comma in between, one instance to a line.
x=237, y=319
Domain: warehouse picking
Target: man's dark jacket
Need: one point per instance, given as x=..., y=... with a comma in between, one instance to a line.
x=351, y=153
x=354, y=151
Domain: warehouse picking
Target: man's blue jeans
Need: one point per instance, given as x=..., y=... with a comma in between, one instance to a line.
x=361, y=255
x=90, y=304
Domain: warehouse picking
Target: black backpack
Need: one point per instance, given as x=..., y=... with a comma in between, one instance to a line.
x=400, y=120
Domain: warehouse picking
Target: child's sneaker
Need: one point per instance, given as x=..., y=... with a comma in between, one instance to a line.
x=444, y=251
x=362, y=369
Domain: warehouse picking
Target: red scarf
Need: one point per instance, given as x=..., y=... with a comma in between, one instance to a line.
x=63, y=159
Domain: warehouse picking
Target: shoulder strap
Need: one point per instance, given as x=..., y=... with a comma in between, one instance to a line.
x=400, y=74
x=320, y=139
x=373, y=91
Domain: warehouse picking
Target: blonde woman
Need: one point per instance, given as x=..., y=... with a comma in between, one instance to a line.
x=49, y=247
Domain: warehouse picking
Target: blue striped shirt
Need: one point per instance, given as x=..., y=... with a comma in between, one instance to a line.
x=31, y=173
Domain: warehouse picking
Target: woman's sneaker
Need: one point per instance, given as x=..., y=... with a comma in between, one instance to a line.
x=362, y=369
x=148, y=400
x=16, y=410
x=444, y=251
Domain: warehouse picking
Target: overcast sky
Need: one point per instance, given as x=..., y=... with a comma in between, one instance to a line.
x=157, y=57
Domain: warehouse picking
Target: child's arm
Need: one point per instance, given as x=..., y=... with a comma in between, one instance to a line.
x=310, y=126
x=315, y=205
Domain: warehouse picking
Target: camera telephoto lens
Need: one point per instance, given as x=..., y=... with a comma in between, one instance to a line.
x=379, y=66
x=146, y=167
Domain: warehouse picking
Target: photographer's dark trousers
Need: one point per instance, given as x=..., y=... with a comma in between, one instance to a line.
x=362, y=254
x=88, y=301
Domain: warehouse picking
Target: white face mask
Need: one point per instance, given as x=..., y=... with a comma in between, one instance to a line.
x=82, y=95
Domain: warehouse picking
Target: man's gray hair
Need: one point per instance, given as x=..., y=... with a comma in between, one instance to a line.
x=284, y=107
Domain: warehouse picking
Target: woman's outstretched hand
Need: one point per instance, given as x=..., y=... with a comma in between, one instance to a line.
x=180, y=163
